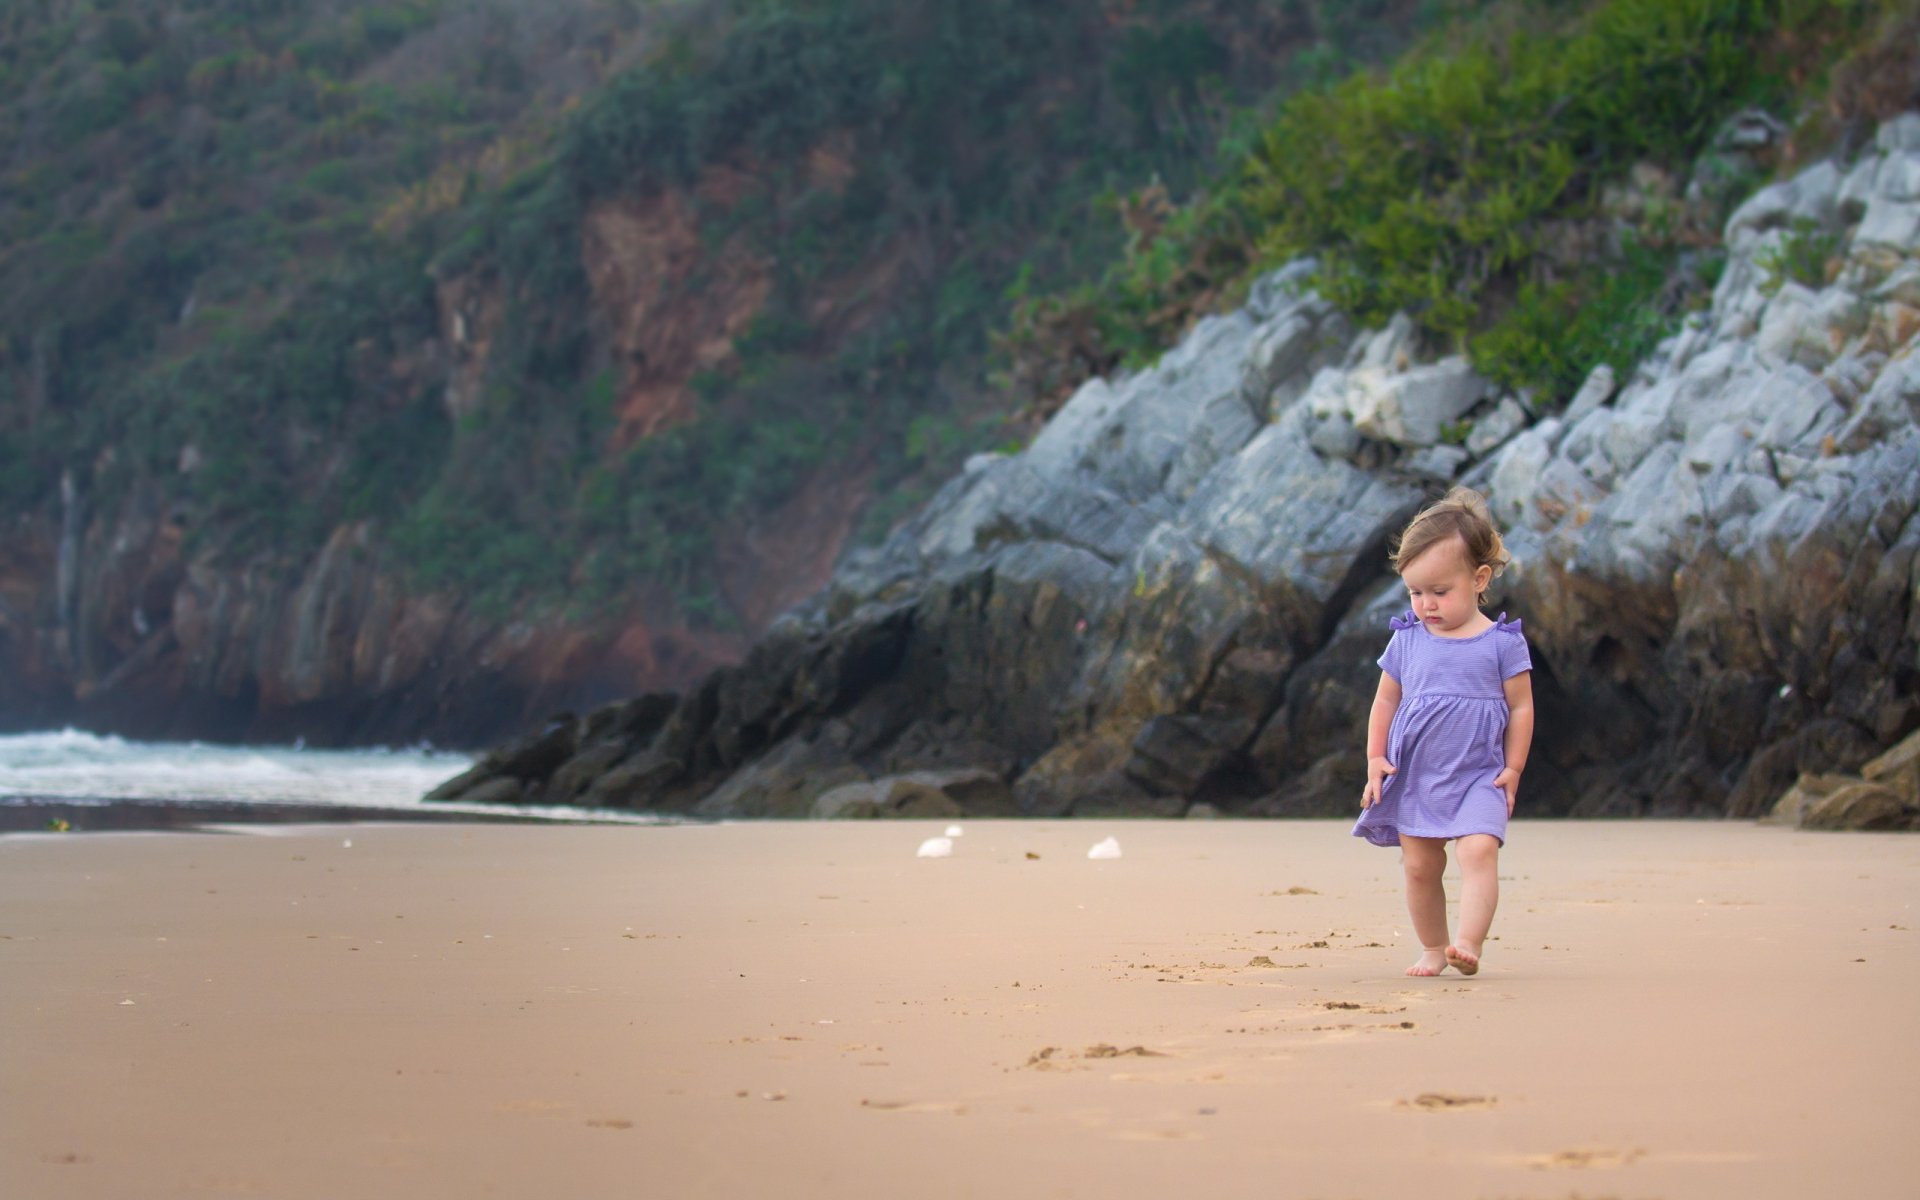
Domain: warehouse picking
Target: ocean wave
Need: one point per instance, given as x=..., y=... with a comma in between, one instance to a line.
x=77, y=764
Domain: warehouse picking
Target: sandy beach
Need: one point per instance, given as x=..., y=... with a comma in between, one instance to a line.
x=1670, y=1010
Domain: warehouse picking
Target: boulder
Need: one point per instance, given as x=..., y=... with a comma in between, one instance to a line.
x=1301, y=334
x=1493, y=429
x=1811, y=197
x=1898, y=769
x=1597, y=390
x=1861, y=806
x=1173, y=754
x=1412, y=407
x=1081, y=775
x=1807, y=791
x=1789, y=330
x=580, y=772
x=849, y=802
x=919, y=795
x=636, y=783
x=500, y=789
x=532, y=758
x=786, y=782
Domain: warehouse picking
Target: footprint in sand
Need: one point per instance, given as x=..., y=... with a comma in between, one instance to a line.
x=915, y=1106
x=1447, y=1102
x=1105, y=1051
x=1043, y=1059
x=1154, y=1135
x=1584, y=1158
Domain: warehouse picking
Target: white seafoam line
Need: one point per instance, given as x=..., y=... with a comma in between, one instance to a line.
x=75, y=767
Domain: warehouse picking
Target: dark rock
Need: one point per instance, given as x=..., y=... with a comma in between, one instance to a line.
x=535, y=757
x=849, y=802
x=500, y=789
x=637, y=783
x=453, y=789
x=578, y=774
x=1330, y=788
x=1860, y=805
x=921, y=794
x=1898, y=769
x=783, y=783
x=1080, y=775
x=539, y=756
x=1885, y=796
x=1171, y=755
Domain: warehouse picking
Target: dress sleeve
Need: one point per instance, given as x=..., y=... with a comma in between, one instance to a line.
x=1514, y=658
x=1393, y=659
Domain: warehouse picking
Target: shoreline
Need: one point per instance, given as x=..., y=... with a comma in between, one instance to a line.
x=119, y=814
x=1675, y=1008
x=135, y=814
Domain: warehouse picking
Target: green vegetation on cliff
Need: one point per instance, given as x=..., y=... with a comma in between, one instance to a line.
x=1439, y=186
x=214, y=218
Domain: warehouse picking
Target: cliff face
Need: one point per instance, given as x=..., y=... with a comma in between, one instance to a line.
x=1175, y=594
x=153, y=642
x=111, y=618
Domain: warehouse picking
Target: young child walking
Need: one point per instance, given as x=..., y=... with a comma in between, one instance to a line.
x=1450, y=728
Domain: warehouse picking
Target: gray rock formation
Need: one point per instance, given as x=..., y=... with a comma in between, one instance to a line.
x=1884, y=796
x=1175, y=594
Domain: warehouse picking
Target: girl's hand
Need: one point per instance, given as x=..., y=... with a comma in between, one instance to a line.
x=1378, y=768
x=1508, y=781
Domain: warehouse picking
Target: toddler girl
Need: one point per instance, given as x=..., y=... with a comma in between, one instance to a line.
x=1450, y=727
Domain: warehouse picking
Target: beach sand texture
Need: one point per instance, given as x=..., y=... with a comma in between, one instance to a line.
x=806, y=1009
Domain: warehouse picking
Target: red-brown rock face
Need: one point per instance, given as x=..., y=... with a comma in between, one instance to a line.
x=639, y=256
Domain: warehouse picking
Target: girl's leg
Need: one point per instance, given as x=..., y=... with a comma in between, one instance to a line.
x=1425, y=860
x=1479, y=855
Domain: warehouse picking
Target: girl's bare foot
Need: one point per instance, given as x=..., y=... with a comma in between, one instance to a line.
x=1463, y=960
x=1433, y=960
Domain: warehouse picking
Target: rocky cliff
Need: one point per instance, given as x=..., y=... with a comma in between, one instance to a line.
x=112, y=616
x=113, y=624
x=1174, y=595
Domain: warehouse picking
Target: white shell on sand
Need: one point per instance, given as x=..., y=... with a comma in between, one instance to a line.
x=954, y=831
x=1109, y=848
x=940, y=847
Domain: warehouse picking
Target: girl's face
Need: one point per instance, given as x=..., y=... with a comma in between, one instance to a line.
x=1445, y=591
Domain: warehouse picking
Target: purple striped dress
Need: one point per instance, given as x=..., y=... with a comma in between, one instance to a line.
x=1448, y=735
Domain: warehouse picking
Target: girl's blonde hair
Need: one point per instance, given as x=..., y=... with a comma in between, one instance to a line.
x=1463, y=514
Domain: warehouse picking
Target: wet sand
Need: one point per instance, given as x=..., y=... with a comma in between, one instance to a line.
x=1670, y=1010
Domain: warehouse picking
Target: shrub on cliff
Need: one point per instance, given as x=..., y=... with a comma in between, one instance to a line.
x=1431, y=187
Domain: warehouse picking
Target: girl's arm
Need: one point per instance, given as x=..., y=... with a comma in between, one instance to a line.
x=1386, y=701
x=1519, y=741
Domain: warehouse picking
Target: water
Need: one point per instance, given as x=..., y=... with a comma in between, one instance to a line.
x=89, y=781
